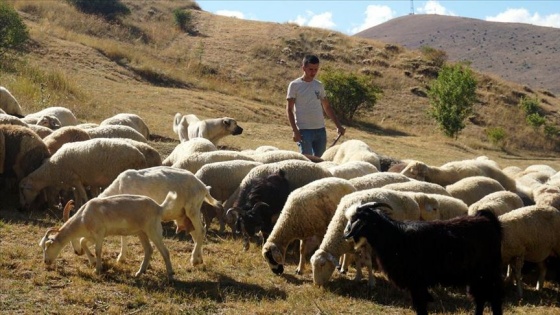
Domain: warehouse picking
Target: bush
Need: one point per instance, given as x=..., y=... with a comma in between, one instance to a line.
x=183, y=19
x=13, y=32
x=452, y=96
x=109, y=9
x=496, y=135
x=348, y=93
x=535, y=120
x=529, y=105
x=551, y=132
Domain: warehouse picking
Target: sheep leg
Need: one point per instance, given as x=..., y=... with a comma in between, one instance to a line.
x=145, y=241
x=157, y=239
x=542, y=273
x=301, y=266
x=517, y=265
x=122, y=255
x=85, y=249
x=98, y=249
x=197, y=235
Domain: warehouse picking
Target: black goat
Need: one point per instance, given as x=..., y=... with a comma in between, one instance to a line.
x=259, y=205
x=416, y=255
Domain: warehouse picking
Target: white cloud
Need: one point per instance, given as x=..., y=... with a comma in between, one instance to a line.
x=524, y=16
x=375, y=15
x=434, y=7
x=321, y=20
x=237, y=14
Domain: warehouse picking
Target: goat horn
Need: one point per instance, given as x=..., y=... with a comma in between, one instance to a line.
x=51, y=230
x=260, y=203
x=375, y=205
x=66, y=212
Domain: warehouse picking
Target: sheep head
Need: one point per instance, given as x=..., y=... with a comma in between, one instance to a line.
x=273, y=257
x=323, y=264
x=416, y=170
x=48, y=244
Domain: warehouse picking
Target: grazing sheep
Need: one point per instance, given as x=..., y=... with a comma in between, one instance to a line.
x=115, y=215
x=9, y=104
x=63, y=114
x=547, y=195
x=87, y=125
x=131, y=120
x=352, y=150
x=185, y=149
x=152, y=156
x=65, y=135
x=418, y=186
x=273, y=156
x=417, y=255
x=333, y=246
x=530, y=234
x=498, y=202
x=450, y=207
x=352, y=169
x=306, y=214
x=224, y=178
x=452, y=172
x=95, y=163
x=41, y=131
x=155, y=182
x=189, y=127
x=115, y=131
x=378, y=180
x=195, y=161
x=6, y=119
x=49, y=121
x=472, y=189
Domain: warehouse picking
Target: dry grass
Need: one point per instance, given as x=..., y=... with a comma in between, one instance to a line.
x=239, y=69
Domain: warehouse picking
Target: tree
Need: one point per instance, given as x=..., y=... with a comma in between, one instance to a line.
x=452, y=96
x=13, y=32
x=348, y=93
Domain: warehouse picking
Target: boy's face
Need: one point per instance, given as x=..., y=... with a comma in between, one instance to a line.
x=310, y=71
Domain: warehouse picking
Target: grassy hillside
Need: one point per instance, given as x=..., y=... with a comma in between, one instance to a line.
x=230, y=67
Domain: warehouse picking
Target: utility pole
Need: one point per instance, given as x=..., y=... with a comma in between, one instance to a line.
x=411, y=7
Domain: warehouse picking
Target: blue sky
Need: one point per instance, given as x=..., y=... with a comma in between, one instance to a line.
x=350, y=16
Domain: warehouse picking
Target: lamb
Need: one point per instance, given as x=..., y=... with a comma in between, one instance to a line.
x=95, y=163
x=195, y=161
x=63, y=114
x=9, y=104
x=498, y=202
x=417, y=255
x=65, y=135
x=352, y=150
x=452, y=172
x=115, y=215
x=184, y=149
x=530, y=234
x=155, y=182
x=115, y=131
x=306, y=214
x=131, y=120
x=472, y=189
x=378, y=180
x=224, y=178
x=333, y=246
x=352, y=169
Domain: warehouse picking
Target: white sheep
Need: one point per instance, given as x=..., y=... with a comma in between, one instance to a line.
x=352, y=169
x=195, y=161
x=115, y=131
x=306, y=214
x=6, y=119
x=499, y=202
x=277, y=156
x=472, y=189
x=418, y=186
x=530, y=234
x=333, y=246
x=452, y=172
x=352, y=150
x=152, y=156
x=95, y=163
x=224, y=178
x=49, y=121
x=450, y=207
x=65, y=135
x=155, y=182
x=187, y=148
x=378, y=180
x=9, y=104
x=131, y=120
x=116, y=215
x=64, y=115
x=41, y=131
x=547, y=195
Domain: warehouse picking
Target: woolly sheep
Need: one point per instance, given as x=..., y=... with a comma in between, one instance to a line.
x=306, y=214
x=450, y=207
x=95, y=163
x=547, y=195
x=530, y=234
x=41, y=131
x=511, y=171
x=277, y=156
x=352, y=169
x=155, y=182
x=418, y=186
x=87, y=125
x=224, y=178
x=152, y=156
x=64, y=115
x=131, y=120
x=186, y=148
x=115, y=131
x=452, y=172
x=116, y=215
x=352, y=150
x=49, y=121
x=472, y=189
x=6, y=119
x=195, y=161
x=65, y=135
x=377, y=180
x=498, y=202
x=9, y=104
x=325, y=259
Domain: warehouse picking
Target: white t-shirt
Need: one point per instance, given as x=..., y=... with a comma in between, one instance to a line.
x=308, y=110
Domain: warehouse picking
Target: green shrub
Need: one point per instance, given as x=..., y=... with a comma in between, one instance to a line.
x=529, y=105
x=452, y=96
x=552, y=132
x=109, y=9
x=13, y=32
x=183, y=19
x=348, y=93
x=535, y=120
x=496, y=135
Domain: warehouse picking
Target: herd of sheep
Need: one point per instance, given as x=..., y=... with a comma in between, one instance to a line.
x=345, y=208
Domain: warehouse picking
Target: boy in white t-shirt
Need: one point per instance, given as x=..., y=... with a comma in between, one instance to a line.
x=306, y=102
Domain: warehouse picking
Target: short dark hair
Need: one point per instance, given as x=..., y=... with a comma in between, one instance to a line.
x=310, y=59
